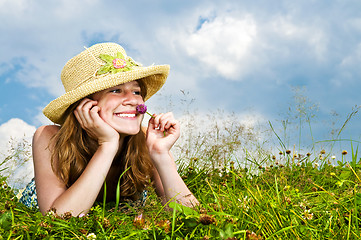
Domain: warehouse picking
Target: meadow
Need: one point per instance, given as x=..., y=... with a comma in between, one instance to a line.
x=246, y=190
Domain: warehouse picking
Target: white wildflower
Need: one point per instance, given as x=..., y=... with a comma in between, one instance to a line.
x=91, y=236
x=308, y=215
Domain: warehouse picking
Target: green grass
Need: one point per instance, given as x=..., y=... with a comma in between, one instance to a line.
x=293, y=199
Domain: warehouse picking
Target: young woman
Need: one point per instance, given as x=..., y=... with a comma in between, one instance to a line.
x=99, y=136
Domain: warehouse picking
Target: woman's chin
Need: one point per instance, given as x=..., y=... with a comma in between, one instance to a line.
x=130, y=132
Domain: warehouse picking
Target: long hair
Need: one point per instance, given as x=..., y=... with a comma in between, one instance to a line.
x=73, y=149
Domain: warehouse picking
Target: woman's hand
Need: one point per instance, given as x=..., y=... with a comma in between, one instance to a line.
x=87, y=114
x=163, y=131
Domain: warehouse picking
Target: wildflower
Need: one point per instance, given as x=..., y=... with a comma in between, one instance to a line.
x=142, y=109
x=91, y=236
x=333, y=157
x=165, y=224
x=344, y=152
x=106, y=223
x=206, y=219
x=314, y=189
x=277, y=162
x=288, y=200
x=308, y=215
x=51, y=212
x=244, y=203
x=66, y=215
x=317, y=165
x=280, y=153
x=333, y=174
x=308, y=154
x=44, y=225
x=286, y=188
x=288, y=151
x=323, y=151
x=274, y=157
x=139, y=221
x=252, y=235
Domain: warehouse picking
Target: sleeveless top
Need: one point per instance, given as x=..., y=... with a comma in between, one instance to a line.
x=28, y=197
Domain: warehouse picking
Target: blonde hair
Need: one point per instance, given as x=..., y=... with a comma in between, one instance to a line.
x=73, y=149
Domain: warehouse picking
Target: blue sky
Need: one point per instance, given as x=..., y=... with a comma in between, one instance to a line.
x=246, y=57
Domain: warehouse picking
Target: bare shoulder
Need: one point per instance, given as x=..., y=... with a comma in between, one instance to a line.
x=42, y=137
x=45, y=132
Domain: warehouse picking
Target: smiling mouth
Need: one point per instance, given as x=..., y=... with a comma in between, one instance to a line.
x=126, y=115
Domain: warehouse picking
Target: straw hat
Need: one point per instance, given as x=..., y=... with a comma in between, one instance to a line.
x=99, y=67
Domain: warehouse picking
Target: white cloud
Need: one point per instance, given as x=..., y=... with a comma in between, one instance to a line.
x=223, y=44
x=13, y=7
x=348, y=69
x=15, y=144
x=266, y=45
x=41, y=119
x=291, y=33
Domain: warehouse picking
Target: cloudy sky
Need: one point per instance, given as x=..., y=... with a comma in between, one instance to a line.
x=259, y=59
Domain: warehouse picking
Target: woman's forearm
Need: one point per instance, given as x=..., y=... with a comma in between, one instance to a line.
x=80, y=196
x=173, y=185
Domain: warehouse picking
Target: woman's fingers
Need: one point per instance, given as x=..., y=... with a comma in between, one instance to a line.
x=165, y=121
x=83, y=112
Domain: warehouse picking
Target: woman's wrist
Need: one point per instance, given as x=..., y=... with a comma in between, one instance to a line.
x=110, y=147
x=163, y=160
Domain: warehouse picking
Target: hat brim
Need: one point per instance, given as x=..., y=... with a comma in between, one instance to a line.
x=153, y=77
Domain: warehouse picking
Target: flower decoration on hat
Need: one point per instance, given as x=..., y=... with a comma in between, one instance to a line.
x=116, y=64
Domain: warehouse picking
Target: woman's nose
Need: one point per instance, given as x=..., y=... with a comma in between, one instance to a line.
x=130, y=98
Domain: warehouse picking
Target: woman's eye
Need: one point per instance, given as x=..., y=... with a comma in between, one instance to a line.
x=137, y=92
x=115, y=91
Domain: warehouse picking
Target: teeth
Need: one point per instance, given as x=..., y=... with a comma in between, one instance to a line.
x=126, y=115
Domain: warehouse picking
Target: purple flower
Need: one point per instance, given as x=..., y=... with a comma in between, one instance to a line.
x=141, y=108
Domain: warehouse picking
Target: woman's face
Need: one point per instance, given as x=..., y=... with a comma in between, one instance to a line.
x=118, y=107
